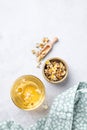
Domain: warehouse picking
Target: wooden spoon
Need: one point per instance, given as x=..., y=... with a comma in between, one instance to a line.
x=46, y=49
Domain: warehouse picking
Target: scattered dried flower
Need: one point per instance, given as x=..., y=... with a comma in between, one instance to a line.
x=45, y=106
x=37, y=45
x=33, y=52
x=45, y=40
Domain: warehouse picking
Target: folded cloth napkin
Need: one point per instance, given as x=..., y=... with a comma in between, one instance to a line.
x=68, y=112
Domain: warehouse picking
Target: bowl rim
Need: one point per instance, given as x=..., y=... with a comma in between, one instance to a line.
x=40, y=103
x=56, y=82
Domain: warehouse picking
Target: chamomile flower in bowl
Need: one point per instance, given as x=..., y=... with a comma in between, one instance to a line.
x=55, y=70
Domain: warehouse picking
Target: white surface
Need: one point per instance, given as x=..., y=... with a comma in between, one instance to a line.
x=23, y=23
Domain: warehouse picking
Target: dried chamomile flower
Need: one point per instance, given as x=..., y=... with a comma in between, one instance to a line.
x=39, y=64
x=41, y=45
x=61, y=65
x=33, y=52
x=37, y=45
x=53, y=77
x=45, y=40
x=46, y=71
x=48, y=62
x=63, y=73
x=45, y=106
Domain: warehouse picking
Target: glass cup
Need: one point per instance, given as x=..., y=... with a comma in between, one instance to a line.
x=28, y=92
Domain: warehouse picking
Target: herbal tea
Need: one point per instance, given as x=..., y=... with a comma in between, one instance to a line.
x=28, y=92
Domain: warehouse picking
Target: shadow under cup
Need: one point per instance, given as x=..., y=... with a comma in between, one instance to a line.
x=28, y=92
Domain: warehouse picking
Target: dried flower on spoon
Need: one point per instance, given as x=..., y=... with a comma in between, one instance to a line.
x=43, y=49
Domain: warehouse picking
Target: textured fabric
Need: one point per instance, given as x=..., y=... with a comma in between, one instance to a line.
x=68, y=112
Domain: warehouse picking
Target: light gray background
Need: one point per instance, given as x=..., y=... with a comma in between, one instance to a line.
x=23, y=23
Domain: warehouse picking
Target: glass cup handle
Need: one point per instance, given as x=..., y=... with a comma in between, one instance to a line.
x=45, y=104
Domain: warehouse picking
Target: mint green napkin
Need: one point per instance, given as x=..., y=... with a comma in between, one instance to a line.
x=68, y=112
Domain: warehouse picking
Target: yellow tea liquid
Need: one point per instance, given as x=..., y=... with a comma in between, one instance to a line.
x=28, y=92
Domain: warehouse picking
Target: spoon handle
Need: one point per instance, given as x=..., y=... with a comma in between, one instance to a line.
x=53, y=41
